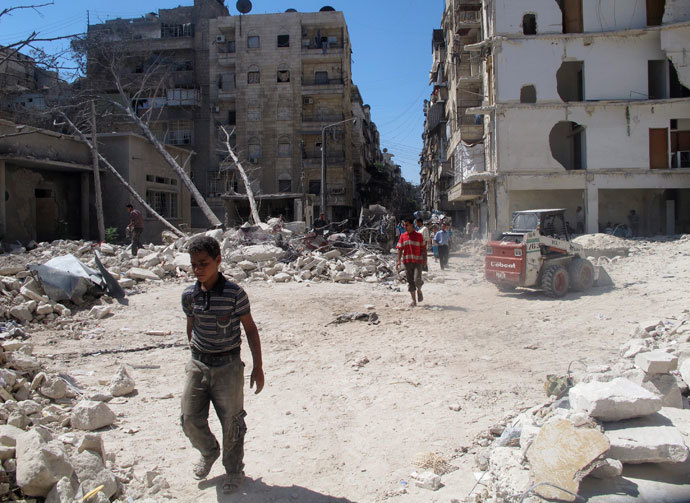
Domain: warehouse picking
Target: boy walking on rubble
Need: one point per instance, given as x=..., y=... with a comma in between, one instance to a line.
x=412, y=251
x=215, y=307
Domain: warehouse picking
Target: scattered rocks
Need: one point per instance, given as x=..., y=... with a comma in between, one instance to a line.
x=614, y=400
x=122, y=383
x=91, y=415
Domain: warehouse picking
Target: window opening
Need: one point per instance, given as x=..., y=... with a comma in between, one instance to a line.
x=283, y=40
x=529, y=24
x=528, y=94
x=253, y=42
x=570, y=81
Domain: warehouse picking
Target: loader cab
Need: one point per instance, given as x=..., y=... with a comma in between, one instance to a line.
x=548, y=222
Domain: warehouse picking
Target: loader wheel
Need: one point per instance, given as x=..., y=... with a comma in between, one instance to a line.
x=581, y=274
x=555, y=281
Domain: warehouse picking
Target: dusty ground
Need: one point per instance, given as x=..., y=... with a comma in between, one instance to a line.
x=330, y=426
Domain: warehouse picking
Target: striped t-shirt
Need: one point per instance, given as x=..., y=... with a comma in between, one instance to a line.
x=413, y=248
x=216, y=315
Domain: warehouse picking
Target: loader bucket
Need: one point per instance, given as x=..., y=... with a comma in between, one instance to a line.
x=601, y=277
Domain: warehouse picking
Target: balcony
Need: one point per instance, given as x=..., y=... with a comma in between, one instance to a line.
x=313, y=158
x=322, y=118
x=466, y=20
x=322, y=82
x=226, y=58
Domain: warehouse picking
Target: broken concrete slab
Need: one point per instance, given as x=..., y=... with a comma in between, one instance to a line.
x=656, y=362
x=143, y=274
x=11, y=270
x=100, y=312
x=21, y=313
x=33, y=291
x=122, y=383
x=92, y=473
x=561, y=454
x=607, y=469
x=649, y=439
x=256, y=253
x=41, y=462
x=427, y=480
x=614, y=400
x=508, y=476
x=90, y=415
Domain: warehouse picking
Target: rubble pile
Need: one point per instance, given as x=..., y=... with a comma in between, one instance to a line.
x=49, y=447
x=632, y=412
x=253, y=254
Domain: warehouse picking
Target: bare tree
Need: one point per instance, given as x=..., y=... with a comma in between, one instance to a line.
x=245, y=179
x=148, y=87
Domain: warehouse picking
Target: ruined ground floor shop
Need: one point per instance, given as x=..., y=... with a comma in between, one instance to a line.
x=660, y=200
x=292, y=206
x=44, y=201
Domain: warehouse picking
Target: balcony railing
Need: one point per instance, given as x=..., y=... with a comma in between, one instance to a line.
x=322, y=117
x=321, y=81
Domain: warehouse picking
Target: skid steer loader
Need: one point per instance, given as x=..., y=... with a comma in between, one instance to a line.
x=537, y=252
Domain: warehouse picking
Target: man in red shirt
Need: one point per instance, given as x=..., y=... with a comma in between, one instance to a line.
x=412, y=251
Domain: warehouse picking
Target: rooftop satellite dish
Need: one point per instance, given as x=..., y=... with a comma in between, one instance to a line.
x=291, y=10
x=326, y=8
x=243, y=6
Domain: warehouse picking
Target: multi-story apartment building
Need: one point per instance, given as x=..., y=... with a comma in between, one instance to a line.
x=279, y=83
x=569, y=103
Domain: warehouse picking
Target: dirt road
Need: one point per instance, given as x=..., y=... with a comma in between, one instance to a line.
x=348, y=408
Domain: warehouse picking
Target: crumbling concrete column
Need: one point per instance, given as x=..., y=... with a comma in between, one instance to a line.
x=85, y=222
x=592, y=209
x=3, y=189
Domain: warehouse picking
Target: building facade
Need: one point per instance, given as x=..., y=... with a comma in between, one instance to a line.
x=566, y=104
x=278, y=84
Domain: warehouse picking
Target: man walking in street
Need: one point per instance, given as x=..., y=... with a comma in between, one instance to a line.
x=579, y=220
x=442, y=237
x=135, y=228
x=412, y=251
x=215, y=307
x=421, y=228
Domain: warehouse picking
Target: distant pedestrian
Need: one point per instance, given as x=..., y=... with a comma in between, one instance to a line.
x=320, y=224
x=579, y=220
x=442, y=237
x=135, y=228
x=421, y=228
x=434, y=244
x=412, y=251
x=634, y=220
x=468, y=229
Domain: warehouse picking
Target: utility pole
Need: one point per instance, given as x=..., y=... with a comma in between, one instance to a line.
x=96, y=175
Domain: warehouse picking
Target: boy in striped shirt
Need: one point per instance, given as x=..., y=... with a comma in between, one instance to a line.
x=412, y=251
x=215, y=308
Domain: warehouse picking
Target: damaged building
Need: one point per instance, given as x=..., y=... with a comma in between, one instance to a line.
x=279, y=83
x=567, y=103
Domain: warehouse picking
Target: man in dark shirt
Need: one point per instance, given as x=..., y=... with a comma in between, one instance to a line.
x=135, y=228
x=320, y=224
x=215, y=309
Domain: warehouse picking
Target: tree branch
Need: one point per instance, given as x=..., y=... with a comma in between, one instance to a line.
x=245, y=178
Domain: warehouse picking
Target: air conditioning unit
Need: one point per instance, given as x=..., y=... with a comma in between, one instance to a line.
x=337, y=191
x=220, y=39
x=307, y=100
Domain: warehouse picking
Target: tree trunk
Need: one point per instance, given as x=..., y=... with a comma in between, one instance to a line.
x=97, y=175
x=129, y=188
x=245, y=179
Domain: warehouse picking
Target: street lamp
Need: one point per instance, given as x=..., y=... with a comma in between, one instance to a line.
x=323, y=160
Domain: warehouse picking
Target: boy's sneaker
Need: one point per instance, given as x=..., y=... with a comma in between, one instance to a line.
x=203, y=466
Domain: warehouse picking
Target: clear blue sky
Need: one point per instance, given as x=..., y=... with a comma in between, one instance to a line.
x=391, y=51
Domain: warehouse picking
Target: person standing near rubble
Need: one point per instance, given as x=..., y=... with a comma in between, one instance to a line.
x=320, y=224
x=442, y=237
x=135, y=228
x=215, y=307
x=412, y=251
x=421, y=228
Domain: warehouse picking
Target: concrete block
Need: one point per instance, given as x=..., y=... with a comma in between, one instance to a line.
x=650, y=439
x=139, y=273
x=615, y=400
x=89, y=415
x=560, y=454
x=656, y=362
x=607, y=469
x=684, y=371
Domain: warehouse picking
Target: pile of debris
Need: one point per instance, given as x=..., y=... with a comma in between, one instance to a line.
x=48, y=445
x=56, y=279
x=626, y=420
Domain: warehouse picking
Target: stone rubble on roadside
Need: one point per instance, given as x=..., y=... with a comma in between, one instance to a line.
x=50, y=446
x=629, y=412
